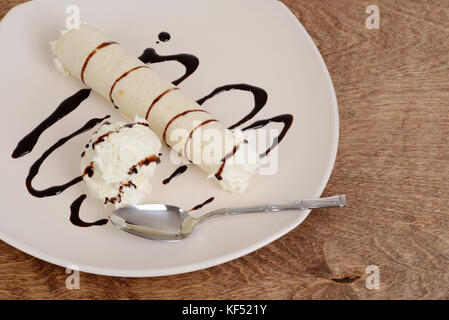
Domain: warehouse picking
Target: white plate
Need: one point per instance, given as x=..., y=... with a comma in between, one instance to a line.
x=259, y=42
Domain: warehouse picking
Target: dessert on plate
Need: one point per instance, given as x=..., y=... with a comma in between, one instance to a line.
x=136, y=90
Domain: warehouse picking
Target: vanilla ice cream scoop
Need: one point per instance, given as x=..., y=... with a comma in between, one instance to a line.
x=119, y=161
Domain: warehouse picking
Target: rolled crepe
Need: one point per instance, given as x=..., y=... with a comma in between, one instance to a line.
x=136, y=89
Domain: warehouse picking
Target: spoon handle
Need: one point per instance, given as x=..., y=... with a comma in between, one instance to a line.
x=330, y=202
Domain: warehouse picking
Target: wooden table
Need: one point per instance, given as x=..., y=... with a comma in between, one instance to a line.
x=392, y=86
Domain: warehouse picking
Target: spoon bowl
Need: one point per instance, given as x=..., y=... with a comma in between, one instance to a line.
x=152, y=221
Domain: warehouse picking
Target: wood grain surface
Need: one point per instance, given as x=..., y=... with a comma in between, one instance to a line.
x=392, y=86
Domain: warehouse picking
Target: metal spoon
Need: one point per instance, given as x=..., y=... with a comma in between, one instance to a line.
x=170, y=223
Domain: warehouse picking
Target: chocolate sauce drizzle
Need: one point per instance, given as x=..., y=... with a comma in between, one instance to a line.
x=286, y=119
x=118, y=198
x=113, y=200
x=202, y=204
x=189, y=61
x=159, y=97
x=129, y=184
x=103, y=137
x=176, y=173
x=89, y=171
x=193, y=131
x=75, y=214
x=131, y=125
x=144, y=162
x=34, y=170
x=226, y=157
x=164, y=36
x=164, y=134
x=120, y=78
x=86, y=62
x=260, y=99
x=68, y=105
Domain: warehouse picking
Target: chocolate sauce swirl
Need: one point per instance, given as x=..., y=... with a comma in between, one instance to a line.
x=34, y=170
x=75, y=214
x=286, y=119
x=259, y=94
x=68, y=105
x=189, y=61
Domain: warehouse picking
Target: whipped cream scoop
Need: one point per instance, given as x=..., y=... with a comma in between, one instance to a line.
x=119, y=160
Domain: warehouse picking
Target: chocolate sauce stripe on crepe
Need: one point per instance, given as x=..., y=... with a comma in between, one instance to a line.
x=193, y=131
x=120, y=78
x=226, y=157
x=86, y=62
x=176, y=117
x=156, y=100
